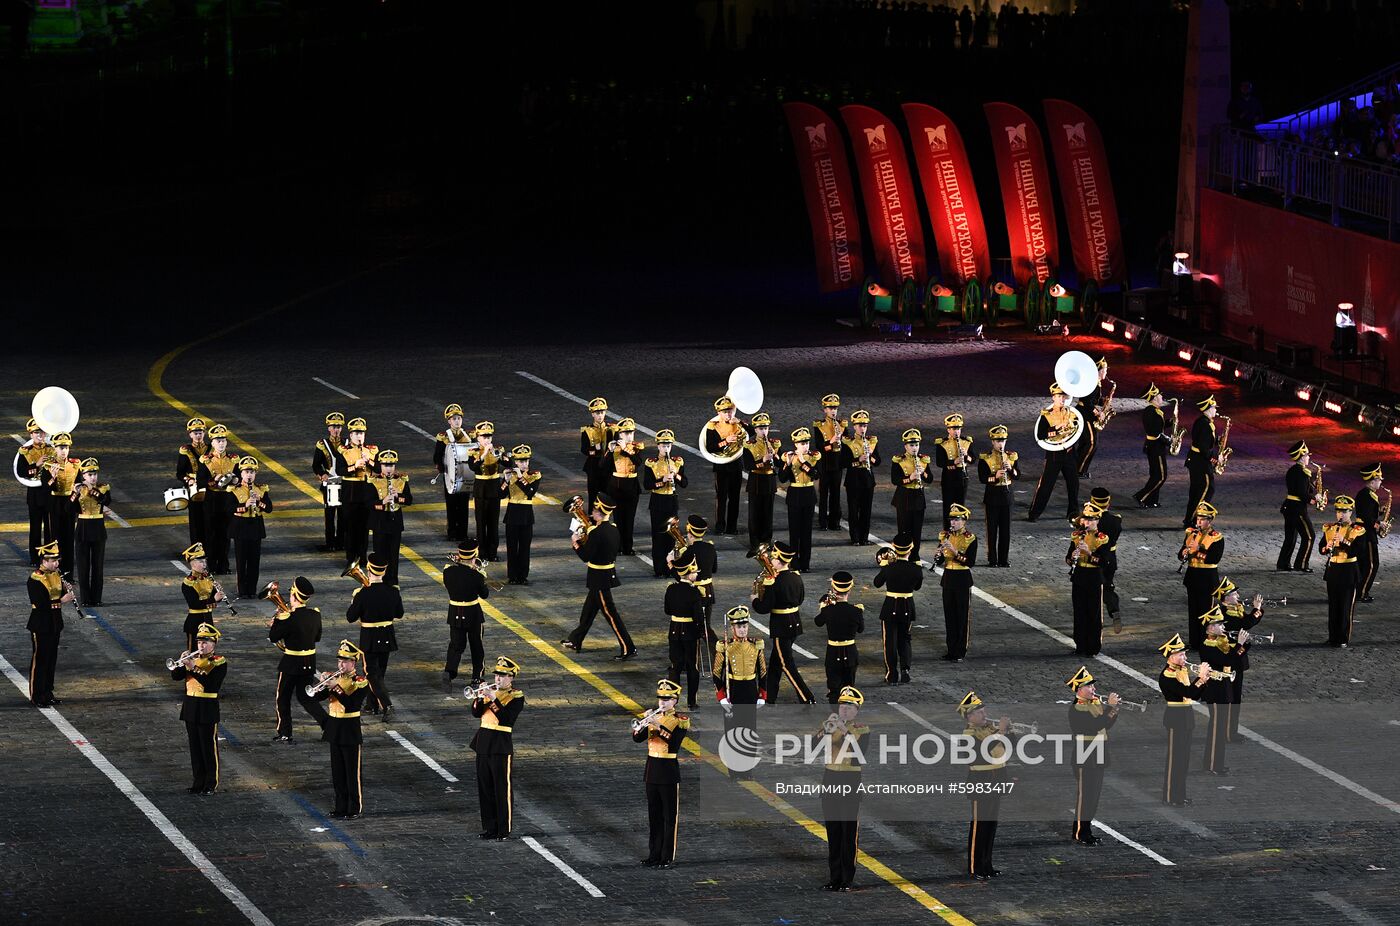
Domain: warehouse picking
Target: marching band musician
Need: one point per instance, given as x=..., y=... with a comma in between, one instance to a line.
x=986, y=803
x=1087, y=549
x=799, y=470
x=598, y=546
x=1094, y=411
x=900, y=578
x=739, y=676
x=521, y=484
x=376, y=606
x=842, y=621
x=957, y=552
x=684, y=610
x=187, y=472
x=1222, y=655
x=250, y=500
x=662, y=475
x=358, y=458
x=782, y=597
x=761, y=463
x=200, y=592
x=217, y=471
x=296, y=633
x=47, y=596
x=706, y=564
x=1201, y=459
x=90, y=500
x=494, y=746
x=1112, y=525
x=953, y=454
x=663, y=734
x=846, y=740
x=910, y=471
x=1089, y=721
x=485, y=462
x=1179, y=691
x=346, y=692
x=1237, y=618
x=593, y=440
x=997, y=470
x=390, y=493
x=830, y=433
x=1368, y=515
x=63, y=474
x=1298, y=497
x=36, y=454
x=725, y=438
x=1056, y=422
x=466, y=586
x=325, y=462
x=1156, y=441
x=1339, y=542
x=624, y=460
x=203, y=672
x=1201, y=552
x=458, y=503
x=860, y=455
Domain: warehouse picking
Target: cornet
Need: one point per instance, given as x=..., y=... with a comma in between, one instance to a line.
x=484, y=690
x=832, y=724
x=353, y=571
x=884, y=556
x=1234, y=636
x=323, y=681
x=646, y=719
x=1195, y=669
x=1130, y=705
x=1024, y=729
x=173, y=664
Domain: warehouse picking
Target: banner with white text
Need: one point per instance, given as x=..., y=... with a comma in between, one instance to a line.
x=1086, y=189
x=888, y=190
x=1025, y=192
x=945, y=173
x=830, y=195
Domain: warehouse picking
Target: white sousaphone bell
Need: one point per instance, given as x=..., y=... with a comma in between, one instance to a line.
x=55, y=411
x=1078, y=376
x=746, y=392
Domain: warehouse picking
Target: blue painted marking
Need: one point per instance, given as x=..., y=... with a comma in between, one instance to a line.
x=122, y=641
x=325, y=821
x=23, y=557
x=228, y=735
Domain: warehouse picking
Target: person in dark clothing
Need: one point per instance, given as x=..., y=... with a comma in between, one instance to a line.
x=325, y=465
x=845, y=743
x=910, y=472
x=521, y=484
x=997, y=471
x=861, y=452
x=1298, y=497
x=376, y=606
x=465, y=581
x=486, y=461
x=843, y=621
x=346, y=689
x=389, y=494
x=957, y=553
x=725, y=437
x=662, y=476
x=900, y=578
x=203, y=673
x=1156, y=444
x=1089, y=720
x=1179, y=692
x=296, y=633
x=47, y=596
x=494, y=745
x=91, y=500
x=685, y=610
x=761, y=461
x=663, y=733
x=450, y=460
x=781, y=596
x=250, y=500
x=598, y=546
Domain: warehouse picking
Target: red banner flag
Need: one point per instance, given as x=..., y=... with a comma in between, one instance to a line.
x=831, y=197
x=1025, y=192
x=1095, y=239
x=946, y=176
x=888, y=190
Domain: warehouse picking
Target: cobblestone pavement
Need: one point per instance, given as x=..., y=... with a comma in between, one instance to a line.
x=78, y=849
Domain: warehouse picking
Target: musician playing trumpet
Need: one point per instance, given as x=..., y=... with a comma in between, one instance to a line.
x=346, y=692
x=203, y=672
x=1056, y=424
x=218, y=470
x=1239, y=620
x=989, y=770
x=662, y=475
x=800, y=470
x=997, y=471
x=1202, y=548
x=843, y=621
x=910, y=471
x=1087, y=547
x=1089, y=721
x=900, y=578
x=390, y=493
x=782, y=596
x=861, y=455
x=325, y=463
x=493, y=743
x=521, y=484
x=761, y=462
x=295, y=633
x=1222, y=654
x=664, y=732
x=91, y=499
x=48, y=593
x=1179, y=690
x=458, y=503
x=1298, y=498
x=1339, y=542
x=251, y=500
x=846, y=741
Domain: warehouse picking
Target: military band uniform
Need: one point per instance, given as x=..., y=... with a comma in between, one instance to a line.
x=247, y=528
x=387, y=524
x=1088, y=444
x=1112, y=525
x=908, y=499
x=841, y=796
x=494, y=746
x=1057, y=463
x=829, y=436
x=1297, y=525
x=218, y=505
x=459, y=502
x=1086, y=582
x=1200, y=463
x=520, y=521
x=1341, y=575
x=599, y=550
x=1179, y=691
x=343, y=734
x=1201, y=578
x=800, y=474
x=1238, y=617
x=900, y=579
x=739, y=676
x=36, y=497
x=187, y=474
x=985, y=778
x=356, y=497
x=952, y=457
x=843, y=621
x=782, y=598
x=860, y=484
x=45, y=629
x=61, y=507
x=296, y=634
x=957, y=586
x=624, y=486
x=996, y=502
x=486, y=495
x=376, y=607
x=664, y=504
x=1156, y=441
x=685, y=611
x=1089, y=722
x=729, y=476
x=663, y=783
x=325, y=463
x=1368, y=550
x=593, y=440
x=199, y=709
x=466, y=587
x=198, y=591
x=90, y=538
x=762, y=487
x=706, y=568
x=1221, y=655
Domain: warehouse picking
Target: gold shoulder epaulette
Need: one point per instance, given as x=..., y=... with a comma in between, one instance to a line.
x=217, y=660
x=442, y=436
x=36, y=574
x=861, y=606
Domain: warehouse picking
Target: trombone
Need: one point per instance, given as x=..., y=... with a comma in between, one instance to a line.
x=1130, y=705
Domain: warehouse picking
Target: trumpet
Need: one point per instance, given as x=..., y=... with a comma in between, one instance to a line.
x=833, y=723
x=1228, y=674
x=646, y=719
x=323, y=681
x=1024, y=729
x=1234, y=636
x=1130, y=705
x=353, y=571
x=1277, y=602
x=484, y=690
x=173, y=664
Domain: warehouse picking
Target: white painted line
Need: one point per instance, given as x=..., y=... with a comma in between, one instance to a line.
x=180, y=566
x=584, y=402
x=348, y=395
x=118, y=518
x=426, y=759
x=19, y=440
x=919, y=720
x=1345, y=909
x=413, y=427
x=563, y=866
x=151, y=811
x=1160, y=860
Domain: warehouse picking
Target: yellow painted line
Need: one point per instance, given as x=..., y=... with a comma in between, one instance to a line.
x=871, y=864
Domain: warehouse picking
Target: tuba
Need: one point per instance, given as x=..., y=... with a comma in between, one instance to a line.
x=746, y=392
x=1078, y=376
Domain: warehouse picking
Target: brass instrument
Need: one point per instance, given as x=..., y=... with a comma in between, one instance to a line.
x=646, y=719
x=173, y=664
x=1106, y=411
x=1277, y=602
x=484, y=690
x=1130, y=705
x=1234, y=636
x=673, y=527
x=271, y=592
x=884, y=556
x=1320, y=495
x=1223, y=454
x=833, y=724
x=1023, y=729
x=353, y=571
x=1383, y=527
x=323, y=681
x=490, y=583
x=1217, y=674
x=47, y=461
x=764, y=555
x=1178, y=433
x=827, y=600
x=578, y=508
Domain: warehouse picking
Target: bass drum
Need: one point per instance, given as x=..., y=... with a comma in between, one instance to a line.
x=333, y=492
x=177, y=499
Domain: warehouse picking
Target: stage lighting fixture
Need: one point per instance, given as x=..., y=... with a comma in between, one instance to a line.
x=1333, y=406
x=1107, y=325
x=1180, y=267
x=1395, y=430
x=1214, y=364
x=1304, y=394
x=1185, y=354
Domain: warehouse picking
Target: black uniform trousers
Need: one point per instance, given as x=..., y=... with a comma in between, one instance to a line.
x=685, y=654
x=1089, y=785
x=896, y=636
x=488, y=515
x=841, y=664
x=729, y=484
x=998, y=509
x=799, y=508
x=860, y=496
x=1087, y=445
x=1217, y=731
x=464, y=629
x=204, y=754
x=663, y=807
x=1341, y=602
x=982, y=832
x=458, y=513
x=197, y=520
x=386, y=544
x=1202, y=490
x=841, y=812
x=953, y=488
x=625, y=491
x=1368, y=563
x=910, y=521
x=1232, y=726
x=761, y=513
x=43, y=664
x=355, y=499
x=829, y=494
x=335, y=524
x=61, y=516
x=1108, y=565
x=601, y=599
x=376, y=665
x=291, y=684
x=39, y=531
x=597, y=482
x=1086, y=585
x=345, y=776
x=957, y=611
x=518, y=540
x=247, y=556
x=1057, y=463
x=494, y=792
x=1200, y=595
x=217, y=518
x=1156, y=474
x=91, y=554
x=1297, y=529
x=1181, y=726
x=781, y=664
x=661, y=510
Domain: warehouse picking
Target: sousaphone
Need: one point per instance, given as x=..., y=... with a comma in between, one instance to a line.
x=746, y=392
x=1078, y=376
x=55, y=411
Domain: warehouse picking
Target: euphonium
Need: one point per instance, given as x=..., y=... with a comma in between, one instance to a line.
x=577, y=507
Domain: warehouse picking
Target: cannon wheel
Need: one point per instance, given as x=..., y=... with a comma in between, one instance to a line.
x=972, y=311
x=1089, y=302
x=867, y=304
x=1032, y=302
x=930, y=303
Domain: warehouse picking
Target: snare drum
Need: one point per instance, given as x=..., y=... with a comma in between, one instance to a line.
x=333, y=492
x=177, y=499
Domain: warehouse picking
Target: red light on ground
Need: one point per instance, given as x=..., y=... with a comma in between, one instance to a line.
x=1304, y=394
x=1333, y=407
x=1184, y=354
x=1215, y=365
x=1107, y=326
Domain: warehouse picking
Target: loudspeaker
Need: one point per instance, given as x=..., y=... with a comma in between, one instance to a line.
x=1149, y=304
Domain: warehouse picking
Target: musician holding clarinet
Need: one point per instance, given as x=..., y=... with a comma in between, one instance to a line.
x=48, y=593
x=218, y=469
x=498, y=706
x=91, y=500
x=203, y=673
x=251, y=500
x=389, y=493
x=663, y=730
x=201, y=593
x=520, y=485
x=1202, y=548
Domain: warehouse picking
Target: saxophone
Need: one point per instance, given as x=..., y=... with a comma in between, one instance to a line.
x=1223, y=456
x=1320, y=495
x=1383, y=527
x=1178, y=433
x=1106, y=411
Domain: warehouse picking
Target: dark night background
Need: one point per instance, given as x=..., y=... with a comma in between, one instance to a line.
x=614, y=158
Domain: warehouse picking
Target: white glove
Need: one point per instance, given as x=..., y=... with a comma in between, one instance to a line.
x=761, y=702
x=725, y=703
